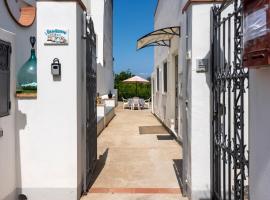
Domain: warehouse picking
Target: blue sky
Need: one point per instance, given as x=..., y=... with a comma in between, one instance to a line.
x=133, y=19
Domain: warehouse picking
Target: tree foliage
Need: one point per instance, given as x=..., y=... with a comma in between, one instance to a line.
x=128, y=90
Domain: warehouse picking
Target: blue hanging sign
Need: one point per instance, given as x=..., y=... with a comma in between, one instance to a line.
x=56, y=37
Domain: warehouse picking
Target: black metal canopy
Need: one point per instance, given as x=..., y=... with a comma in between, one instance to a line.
x=161, y=37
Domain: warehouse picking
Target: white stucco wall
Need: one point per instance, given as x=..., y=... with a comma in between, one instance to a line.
x=50, y=127
x=164, y=102
x=185, y=99
x=108, y=85
x=105, y=80
x=259, y=126
x=8, y=141
x=200, y=103
x=97, y=14
x=102, y=13
x=162, y=19
x=22, y=35
x=194, y=89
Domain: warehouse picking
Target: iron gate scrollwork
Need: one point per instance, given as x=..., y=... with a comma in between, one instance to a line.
x=91, y=113
x=229, y=111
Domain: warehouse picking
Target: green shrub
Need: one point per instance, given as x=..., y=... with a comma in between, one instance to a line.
x=128, y=90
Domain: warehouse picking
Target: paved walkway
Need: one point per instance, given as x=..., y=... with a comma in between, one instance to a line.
x=138, y=160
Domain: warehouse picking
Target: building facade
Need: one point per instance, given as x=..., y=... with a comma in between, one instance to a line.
x=166, y=61
x=8, y=156
x=183, y=95
x=18, y=37
x=34, y=142
x=102, y=15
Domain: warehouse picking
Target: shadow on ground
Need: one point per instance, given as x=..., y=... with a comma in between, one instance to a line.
x=99, y=166
x=165, y=137
x=152, y=130
x=178, y=169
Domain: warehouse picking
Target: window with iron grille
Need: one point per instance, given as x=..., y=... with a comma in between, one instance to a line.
x=5, y=51
x=165, y=84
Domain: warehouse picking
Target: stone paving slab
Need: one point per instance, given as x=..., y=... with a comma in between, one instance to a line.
x=136, y=141
x=121, y=155
x=133, y=160
x=140, y=174
x=133, y=197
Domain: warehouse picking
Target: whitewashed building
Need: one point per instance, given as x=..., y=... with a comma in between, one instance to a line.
x=185, y=91
x=102, y=14
x=17, y=37
x=181, y=95
x=8, y=154
x=43, y=137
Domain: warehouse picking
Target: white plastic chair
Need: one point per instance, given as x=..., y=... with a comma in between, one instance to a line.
x=147, y=103
x=125, y=103
x=136, y=103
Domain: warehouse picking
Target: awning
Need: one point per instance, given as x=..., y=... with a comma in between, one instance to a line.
x=136, y=79
x=161, y=37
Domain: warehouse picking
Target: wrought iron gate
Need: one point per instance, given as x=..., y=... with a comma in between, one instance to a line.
x=229, y=91
x=91, y=113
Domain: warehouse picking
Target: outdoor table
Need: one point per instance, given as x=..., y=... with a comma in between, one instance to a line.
x=141, y=102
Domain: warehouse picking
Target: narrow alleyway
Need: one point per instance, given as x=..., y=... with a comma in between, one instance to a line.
x=138, y=159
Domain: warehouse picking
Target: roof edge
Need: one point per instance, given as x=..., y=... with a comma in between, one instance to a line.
x=156, y=7
x=80, y=2
x=189, y=2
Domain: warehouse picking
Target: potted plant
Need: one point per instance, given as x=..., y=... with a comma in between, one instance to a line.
x=110, y=95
